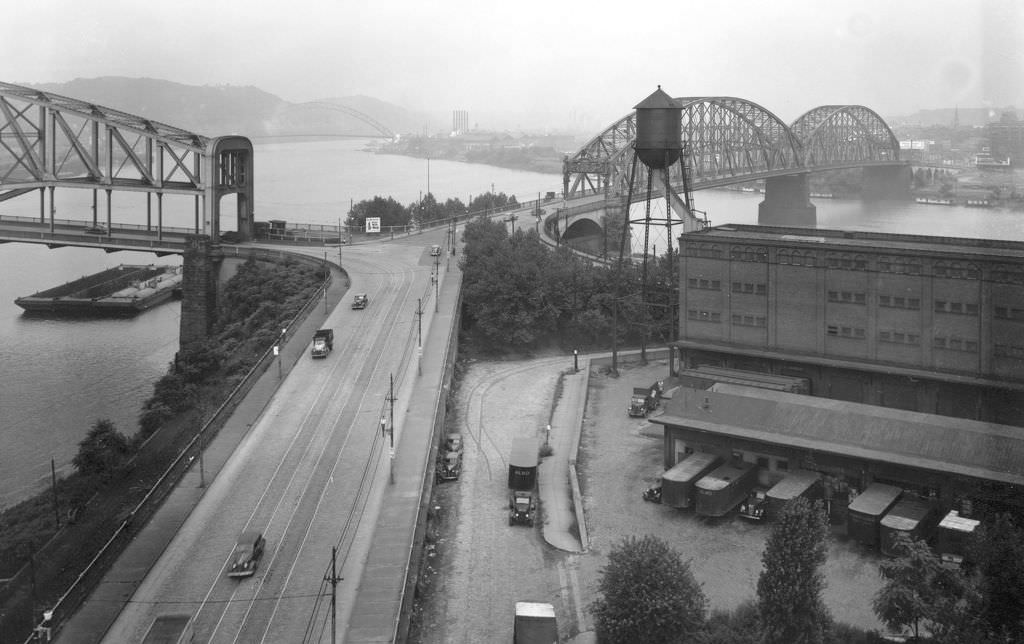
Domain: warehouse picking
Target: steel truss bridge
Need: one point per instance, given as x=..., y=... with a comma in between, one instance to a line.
x=728, y=140
x=49, y=141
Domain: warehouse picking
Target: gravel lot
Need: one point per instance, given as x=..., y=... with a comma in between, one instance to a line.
x=478, y=566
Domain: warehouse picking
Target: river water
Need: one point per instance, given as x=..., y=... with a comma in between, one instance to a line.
x=57, y=377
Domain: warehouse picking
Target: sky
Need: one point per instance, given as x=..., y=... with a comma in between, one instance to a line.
x=564, y=63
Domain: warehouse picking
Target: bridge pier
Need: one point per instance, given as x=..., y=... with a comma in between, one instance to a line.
x=199, y=285
x=787, y=202
x=886, y=182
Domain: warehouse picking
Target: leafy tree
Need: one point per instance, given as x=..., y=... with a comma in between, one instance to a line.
x=920, y=593
x=999, y=553
x=647, y=594
x=391, y=212
x=740, y=626
x=789, y=589
x=103, y=450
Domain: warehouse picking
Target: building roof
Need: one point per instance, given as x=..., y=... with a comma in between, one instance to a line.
x=860, y=241
x=944, y=444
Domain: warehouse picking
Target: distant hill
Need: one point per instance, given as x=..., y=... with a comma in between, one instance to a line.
x=226, y=109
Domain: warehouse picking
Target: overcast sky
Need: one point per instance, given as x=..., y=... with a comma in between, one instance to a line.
x=540, y=60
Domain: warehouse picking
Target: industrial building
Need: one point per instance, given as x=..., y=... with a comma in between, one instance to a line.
x=926, y=324
x=969, y=466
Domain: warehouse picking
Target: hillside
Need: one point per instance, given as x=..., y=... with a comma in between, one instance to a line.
x=226, y=109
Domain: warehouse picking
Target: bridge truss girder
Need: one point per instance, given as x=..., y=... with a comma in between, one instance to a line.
x=730, y=140
x=52, y=141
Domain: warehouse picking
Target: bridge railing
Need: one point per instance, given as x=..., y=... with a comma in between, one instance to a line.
x=77, y=223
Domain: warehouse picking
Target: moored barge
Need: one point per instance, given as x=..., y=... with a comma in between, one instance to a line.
x=124, y=290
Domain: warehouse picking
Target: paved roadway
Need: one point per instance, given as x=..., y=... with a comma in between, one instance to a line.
x=312, y=464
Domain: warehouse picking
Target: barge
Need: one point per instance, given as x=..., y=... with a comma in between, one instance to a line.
x=125, y=290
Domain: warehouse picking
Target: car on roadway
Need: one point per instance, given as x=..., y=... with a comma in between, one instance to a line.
x=98, y=229
x=247, y=553
x=435, y=250
x=360, y=301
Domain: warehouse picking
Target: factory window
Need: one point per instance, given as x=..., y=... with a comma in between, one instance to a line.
x=763, y=462
x=1007, y=313
x=890, y=301
x=1008, y=274
x=958, y=308
x=748, y=288
x=956, y=270
x=703, y=316
x=749, y=320
x=784, y=257
x=847, y=297
x=899, y=337
x=955, y=344
x=703, y=284
x=781, y=464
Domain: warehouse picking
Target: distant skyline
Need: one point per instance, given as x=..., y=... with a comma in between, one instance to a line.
x=530, y=64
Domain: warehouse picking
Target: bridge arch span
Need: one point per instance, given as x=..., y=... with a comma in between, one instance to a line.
x=345, y=109
x=844, y=135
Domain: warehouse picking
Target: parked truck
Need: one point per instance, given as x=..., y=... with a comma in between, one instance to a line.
x=865, y=512
x=677, y=483
x=323, y=343
x=724, y=488
x=645, y=400
x=170, y=629
x=911, y=516
x=953, y=538
x=522, y=479
x=535, y=623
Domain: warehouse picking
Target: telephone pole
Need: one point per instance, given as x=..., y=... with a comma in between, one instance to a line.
x=332, y=578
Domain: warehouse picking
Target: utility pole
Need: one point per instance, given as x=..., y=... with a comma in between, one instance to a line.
x=53, y=478
x=391, y=432
x=437, y=279
x=327, y=274
x=419, y=336
x=332, y=578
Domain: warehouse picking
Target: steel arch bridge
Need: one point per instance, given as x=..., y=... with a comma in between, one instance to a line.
x=48, y=141
x=382, y=129
x=728, y=140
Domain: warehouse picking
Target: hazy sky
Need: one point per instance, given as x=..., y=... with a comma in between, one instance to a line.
x=531, y=60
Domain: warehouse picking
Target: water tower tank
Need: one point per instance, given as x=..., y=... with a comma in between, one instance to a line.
x=658, y=137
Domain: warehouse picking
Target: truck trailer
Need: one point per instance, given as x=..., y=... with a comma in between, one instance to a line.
x=725, y=488
x=911, y=516
x=864, y=514
x=952, y=538
x=677, y=483
x=798, y=483
x=535, y=623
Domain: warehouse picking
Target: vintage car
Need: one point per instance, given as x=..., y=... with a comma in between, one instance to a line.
x=754, y=506
x=449, y=466
x=653, y=494
x=435, y=250
x=360, y=301
x=247, y=554
x=453, y=443
x=97, y=229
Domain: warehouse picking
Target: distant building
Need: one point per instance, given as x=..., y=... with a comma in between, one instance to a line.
x=460, y=121
x=1006, y=139
x=928, y=324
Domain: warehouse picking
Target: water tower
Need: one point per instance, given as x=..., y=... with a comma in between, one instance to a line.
x=659, y=146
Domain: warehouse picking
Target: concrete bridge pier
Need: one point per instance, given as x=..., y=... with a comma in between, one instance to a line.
x=787, y=202
x=886, y=182
x=199, y=284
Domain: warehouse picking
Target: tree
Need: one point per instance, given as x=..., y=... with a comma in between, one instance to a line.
x=999, y=553
x=790, y=606
x=647, y=594
x=391, y=212
x=920, y=593
x=103, y=451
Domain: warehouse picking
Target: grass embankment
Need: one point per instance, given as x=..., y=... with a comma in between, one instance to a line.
x=40, y=558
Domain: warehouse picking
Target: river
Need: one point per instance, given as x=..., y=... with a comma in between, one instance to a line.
x=57, y=377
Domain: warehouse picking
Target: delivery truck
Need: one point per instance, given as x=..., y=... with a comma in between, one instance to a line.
x=865, y=512
x=522, y=479
x=645, y=400
x=323, y=343
x=677, y=483
x=724, y=488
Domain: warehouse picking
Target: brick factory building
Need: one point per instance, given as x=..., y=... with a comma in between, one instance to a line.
x=926, y=324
